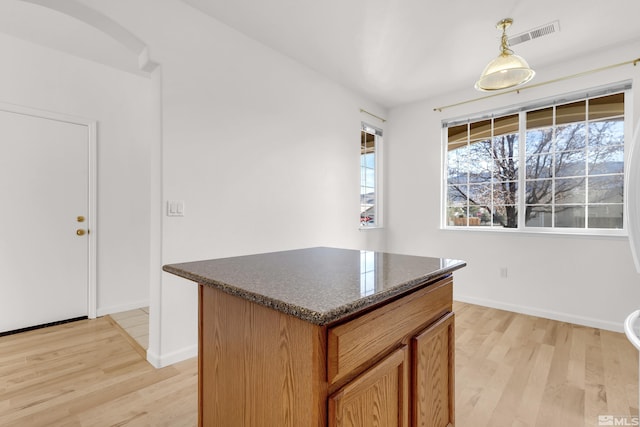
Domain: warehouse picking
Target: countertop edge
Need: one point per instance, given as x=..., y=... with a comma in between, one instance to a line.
x=314, y=317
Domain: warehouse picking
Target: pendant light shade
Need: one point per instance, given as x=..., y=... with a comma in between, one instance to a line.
x=508, y=69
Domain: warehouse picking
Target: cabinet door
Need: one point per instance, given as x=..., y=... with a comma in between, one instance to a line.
x=433, y=374
x=378, y=397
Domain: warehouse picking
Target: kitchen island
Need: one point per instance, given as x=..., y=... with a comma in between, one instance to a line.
x=324, y=337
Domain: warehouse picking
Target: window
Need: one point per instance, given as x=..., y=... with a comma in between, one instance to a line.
x=558, y=166
x=370, y=141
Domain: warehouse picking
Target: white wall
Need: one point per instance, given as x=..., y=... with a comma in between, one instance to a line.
x=263, y=151
x=586, y=280
x=46, y=79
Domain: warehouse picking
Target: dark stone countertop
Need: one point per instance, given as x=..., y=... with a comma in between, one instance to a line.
x=319, y=285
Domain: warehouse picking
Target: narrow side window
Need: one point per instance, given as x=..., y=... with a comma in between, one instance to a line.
x=370, y=142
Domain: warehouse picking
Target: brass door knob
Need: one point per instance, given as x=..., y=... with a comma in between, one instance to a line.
x=80, y=232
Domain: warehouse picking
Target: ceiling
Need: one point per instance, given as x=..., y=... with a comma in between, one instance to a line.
x=391, y=51
x=399, y=51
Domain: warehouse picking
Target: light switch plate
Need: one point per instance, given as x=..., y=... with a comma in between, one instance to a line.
x=175, y=208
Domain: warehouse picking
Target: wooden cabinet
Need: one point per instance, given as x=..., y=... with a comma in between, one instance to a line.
x=420, y=327
x=379, y=397
x=258, y=367
x=433, y=374
x=389, y=366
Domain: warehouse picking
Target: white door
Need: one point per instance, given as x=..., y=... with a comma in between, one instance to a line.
x=44, y=193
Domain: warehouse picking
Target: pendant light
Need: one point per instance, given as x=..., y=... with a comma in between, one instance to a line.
x=508, y=69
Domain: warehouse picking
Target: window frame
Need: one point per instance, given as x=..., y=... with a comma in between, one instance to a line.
x=521, y=110
x=378, y=191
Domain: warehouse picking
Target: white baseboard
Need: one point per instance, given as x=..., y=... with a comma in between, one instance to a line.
x=547, y=314
x=160, y=361
x=103, y=311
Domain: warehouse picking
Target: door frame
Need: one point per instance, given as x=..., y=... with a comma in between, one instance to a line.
x=92, y=185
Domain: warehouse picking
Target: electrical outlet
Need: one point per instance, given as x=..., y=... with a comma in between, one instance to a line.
x=503, y=272
x=175, y=208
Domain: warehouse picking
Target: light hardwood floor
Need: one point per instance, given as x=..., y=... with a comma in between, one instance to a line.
x=511, y=370
x=516, y=370
x=136, y=324
x=87, y=373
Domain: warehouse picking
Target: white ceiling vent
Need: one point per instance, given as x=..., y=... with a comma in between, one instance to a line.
x=535, y=33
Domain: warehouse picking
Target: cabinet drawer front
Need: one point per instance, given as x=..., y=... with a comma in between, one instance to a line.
x=356, y=344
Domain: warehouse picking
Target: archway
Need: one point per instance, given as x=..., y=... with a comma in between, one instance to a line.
x=135, y=52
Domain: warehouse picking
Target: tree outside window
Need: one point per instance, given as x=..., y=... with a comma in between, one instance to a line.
x=573, y=159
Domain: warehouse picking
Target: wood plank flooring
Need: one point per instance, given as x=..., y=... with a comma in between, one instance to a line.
x=517, y=370
x=511, y=370
x=87, y=373
x=136, y=324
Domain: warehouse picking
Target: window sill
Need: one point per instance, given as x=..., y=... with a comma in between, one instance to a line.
x=544, y=232
x=370, y=227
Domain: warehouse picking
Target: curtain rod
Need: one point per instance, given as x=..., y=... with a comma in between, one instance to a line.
x=373, y=115
x=584, y=73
